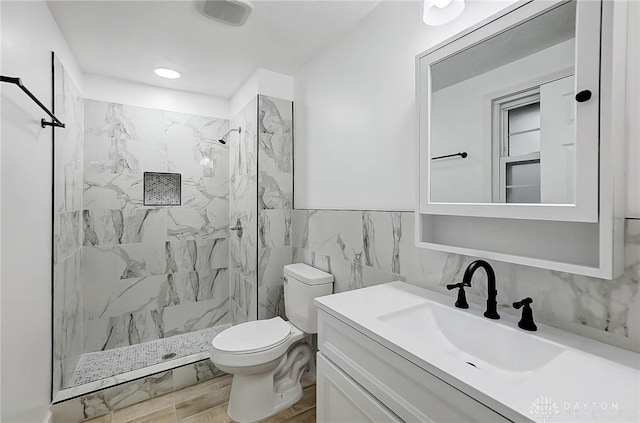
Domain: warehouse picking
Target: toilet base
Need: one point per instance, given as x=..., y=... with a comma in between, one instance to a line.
x=255, y=397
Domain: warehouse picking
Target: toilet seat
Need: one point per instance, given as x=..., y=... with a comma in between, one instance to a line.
x=253, y=343
x=254, y=336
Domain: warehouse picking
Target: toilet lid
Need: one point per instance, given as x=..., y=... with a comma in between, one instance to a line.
x=253, y=336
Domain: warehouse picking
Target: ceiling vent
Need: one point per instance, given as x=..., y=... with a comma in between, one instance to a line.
x=230, y=12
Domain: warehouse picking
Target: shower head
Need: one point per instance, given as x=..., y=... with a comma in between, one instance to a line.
x=223, y=140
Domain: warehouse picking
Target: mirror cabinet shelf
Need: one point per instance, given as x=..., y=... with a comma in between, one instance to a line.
x=522, y=137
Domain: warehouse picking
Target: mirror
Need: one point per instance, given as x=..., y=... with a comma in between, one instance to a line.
x=502, y=125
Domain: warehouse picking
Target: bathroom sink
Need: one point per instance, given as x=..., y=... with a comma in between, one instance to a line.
x=510, y=370
x=476, y=340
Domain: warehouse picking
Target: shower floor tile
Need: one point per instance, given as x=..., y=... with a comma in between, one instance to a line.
x=103, y=364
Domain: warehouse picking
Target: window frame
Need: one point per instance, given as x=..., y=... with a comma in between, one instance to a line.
x=500, y=108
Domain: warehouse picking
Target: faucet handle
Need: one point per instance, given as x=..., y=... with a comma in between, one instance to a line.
x=523, y=302
x=526, y=322
x=458, y=285
x=461, y=302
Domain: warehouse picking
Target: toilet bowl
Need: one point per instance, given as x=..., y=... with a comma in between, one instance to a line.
x=267, y=357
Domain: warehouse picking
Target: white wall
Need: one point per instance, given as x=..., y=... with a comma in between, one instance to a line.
x=265, y=82
x=355, y=114
x=633, y=111
x=355, y=110
x=29, y=34
x=103, y=88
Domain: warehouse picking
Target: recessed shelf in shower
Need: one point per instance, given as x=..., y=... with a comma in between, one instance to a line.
x=162, y=189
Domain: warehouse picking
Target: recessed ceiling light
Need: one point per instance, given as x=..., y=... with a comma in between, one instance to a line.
x=167, y=73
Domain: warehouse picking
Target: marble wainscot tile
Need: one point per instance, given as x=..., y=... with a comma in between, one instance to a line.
x=113, y=398
x=300, y=227
x=112, y=191
x=128, y=140
x=200, y=315
x=274, y=228
x=67, y=232
x=130, y=311
x=275, y=117
x=117, y=397
x=104, y=264
x=197, y=255
x=105, y=300
x=381, y=234
x=203, y=192
x=243, y=149
x=241, y=292
x=199, y=223
x=270, y=290
x=109, y=136
x=605, y=310
x=275, y=191
x=124, y=226
x=69, y=106
x=67, y=279
x=213, y=159
x=336, y=233
x=72, y=331
x=182, y=140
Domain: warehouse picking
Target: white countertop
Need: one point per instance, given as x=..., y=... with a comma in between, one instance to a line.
x=588, y=381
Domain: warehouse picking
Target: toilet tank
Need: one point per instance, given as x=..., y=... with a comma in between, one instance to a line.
x=303, y=283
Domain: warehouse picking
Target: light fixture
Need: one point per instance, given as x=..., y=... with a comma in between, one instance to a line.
x=167, y=73
x=440, y=12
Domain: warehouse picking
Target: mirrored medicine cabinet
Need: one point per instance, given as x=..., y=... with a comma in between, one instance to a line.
x=519, y=135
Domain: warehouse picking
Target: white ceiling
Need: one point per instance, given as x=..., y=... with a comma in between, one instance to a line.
x=127, y=39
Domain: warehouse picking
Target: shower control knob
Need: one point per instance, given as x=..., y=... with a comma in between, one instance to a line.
x=237, y=228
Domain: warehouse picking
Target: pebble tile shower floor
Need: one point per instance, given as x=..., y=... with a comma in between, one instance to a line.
x=102, y=364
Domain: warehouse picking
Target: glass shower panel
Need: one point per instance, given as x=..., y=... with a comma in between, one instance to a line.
x=243, y=211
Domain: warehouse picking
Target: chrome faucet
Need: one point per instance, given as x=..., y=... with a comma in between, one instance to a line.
x=492, y=304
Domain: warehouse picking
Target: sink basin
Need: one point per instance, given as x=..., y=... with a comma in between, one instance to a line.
x=479, y=342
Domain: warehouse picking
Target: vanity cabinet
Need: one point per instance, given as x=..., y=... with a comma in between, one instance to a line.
x=360, y=380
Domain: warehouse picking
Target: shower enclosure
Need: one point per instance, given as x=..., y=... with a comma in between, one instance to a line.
x=140, y=286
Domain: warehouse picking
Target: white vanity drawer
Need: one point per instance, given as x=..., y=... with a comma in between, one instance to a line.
x=341, y=400
x=406, y=389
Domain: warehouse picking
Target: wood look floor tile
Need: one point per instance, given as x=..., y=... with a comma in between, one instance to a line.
x=307, y=401
x=192, y=391
x=224, y=380
x=217, y=414
x=102, y=419
x=166, y=415
x=140, y=409
x=308, y=416
x=217, y=396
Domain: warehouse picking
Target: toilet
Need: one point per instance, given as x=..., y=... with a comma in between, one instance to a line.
x=267, y=357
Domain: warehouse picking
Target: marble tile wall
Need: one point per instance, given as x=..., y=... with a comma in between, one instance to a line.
x=67, y=227
x=362, y=248
x=117, y=397
x=243, y=209
x=152, y=272
x=275, y=192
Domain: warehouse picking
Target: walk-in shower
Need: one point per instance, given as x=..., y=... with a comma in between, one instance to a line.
x=142, y=283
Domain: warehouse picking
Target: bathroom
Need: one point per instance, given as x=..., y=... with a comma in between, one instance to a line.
x=320, y=111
